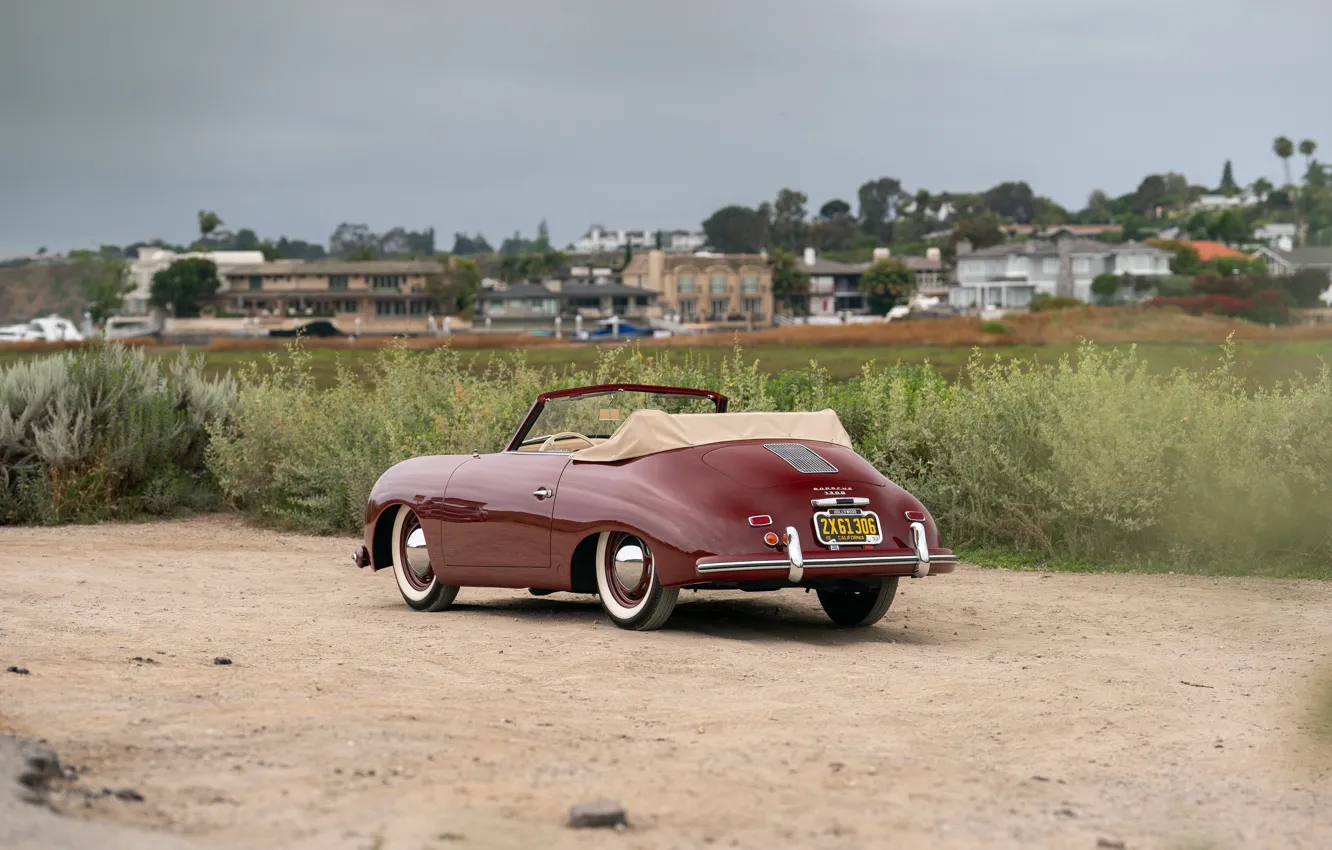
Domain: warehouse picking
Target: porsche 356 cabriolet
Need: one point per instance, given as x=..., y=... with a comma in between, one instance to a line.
x=637, y=492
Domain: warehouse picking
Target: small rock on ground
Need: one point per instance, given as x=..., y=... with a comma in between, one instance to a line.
x=22, y=671
x=222, y=660
x=598, y=813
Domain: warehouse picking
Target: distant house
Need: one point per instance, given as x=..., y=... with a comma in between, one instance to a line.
x=153, y=260
x=1208, y=251
x=1284, y=263
x=530, y=305
x=706, y=287
x=1009, y=276
x=1041, y=231
x=598, y=241
x=1279, y=236
x=374, y=292
x=1212, y=203
x=834, y=287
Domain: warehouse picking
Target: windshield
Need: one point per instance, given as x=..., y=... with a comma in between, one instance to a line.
x=570, y=424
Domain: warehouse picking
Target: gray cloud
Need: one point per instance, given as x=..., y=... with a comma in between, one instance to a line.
x=119, y=120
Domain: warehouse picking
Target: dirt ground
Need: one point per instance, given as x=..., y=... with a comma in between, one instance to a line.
x=989, y=709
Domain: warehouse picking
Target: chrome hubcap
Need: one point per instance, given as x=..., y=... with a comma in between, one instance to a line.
x=418, y=559
x=630, y=566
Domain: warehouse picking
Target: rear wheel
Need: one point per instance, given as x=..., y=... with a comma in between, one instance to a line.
x=863, y=607
x=631, y=594
x=412, y=568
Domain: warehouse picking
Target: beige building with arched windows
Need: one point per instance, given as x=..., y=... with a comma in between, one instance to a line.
x=706, y=288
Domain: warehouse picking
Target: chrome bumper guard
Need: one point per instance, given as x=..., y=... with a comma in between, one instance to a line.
x=922, y=550
x=797, y=569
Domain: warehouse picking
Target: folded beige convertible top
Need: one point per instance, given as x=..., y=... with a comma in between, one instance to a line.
x=646, y=432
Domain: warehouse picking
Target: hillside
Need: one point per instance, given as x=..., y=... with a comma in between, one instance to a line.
x=39, y=290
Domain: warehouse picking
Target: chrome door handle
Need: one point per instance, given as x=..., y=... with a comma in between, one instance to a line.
x=543, y=493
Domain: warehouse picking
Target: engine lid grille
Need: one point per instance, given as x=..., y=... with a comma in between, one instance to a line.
x=801, y=457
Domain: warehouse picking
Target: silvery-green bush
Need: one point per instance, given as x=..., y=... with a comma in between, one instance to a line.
x=105, y=432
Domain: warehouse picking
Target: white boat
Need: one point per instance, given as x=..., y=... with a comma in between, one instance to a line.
x=51, y=328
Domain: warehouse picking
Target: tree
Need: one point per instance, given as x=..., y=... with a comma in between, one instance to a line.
x=1151, y=194
x=878, y=206
x=790, y=283
x=834, y=228
x=1262, y=187
x=208, y=223
x=1307, y=148
x=1230, y=228
x=1284, y=148
x=104, y=283
x=1048, y=213
x=737, y=230
x=270, y=251
x=466, y=246
x=1014, y=201
x=982, y=231
x=183, y=285
x=1228, y=185
x=836, y=208
x=886, y=282
x=788, y=218
x=543, y=236
x=245, y=240
x=457, y=286
x=348, y=239
x=1105, y=287
x=1098, y=208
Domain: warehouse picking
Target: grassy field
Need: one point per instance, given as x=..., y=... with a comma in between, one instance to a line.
x=1166, y=339
x=1260, y=363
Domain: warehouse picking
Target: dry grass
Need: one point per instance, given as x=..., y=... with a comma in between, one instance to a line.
x=1104, y=325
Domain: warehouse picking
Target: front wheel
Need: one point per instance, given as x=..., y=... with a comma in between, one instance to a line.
x=412, y=568
x=865, y=607
x=631, y=594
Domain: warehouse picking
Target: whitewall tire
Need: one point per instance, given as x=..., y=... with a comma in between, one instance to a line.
x=412, y=568
x=627, y=583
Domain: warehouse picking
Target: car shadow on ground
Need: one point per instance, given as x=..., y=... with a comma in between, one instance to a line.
x=751, y=617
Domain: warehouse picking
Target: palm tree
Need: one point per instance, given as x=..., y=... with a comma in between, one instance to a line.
x=1262, y=187
x=1307, y=148
x=1284, y=148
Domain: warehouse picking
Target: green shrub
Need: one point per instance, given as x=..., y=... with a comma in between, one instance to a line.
x=993, y=328
x=1043, y=302
x=105, y=432
x=1093, y=459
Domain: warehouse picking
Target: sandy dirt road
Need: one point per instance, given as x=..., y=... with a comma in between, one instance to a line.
x=989, y=709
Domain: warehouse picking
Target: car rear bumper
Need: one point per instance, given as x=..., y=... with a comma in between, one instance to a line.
x=777, y=565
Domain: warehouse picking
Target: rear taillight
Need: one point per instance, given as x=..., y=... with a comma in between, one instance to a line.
x=915, y=516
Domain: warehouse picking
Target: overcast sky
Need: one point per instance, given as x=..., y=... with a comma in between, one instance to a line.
x=119, y=119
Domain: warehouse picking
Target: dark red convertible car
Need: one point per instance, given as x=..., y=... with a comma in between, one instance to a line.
x=636, y=492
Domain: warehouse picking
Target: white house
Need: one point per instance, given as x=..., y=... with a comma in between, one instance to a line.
x=1209, y=203
x=153, y=260
x=598, y=241
x=1279, y=236
x=1008, y=276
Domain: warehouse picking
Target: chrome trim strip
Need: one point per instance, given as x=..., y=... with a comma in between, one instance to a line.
x=839, y=502
x=816, y=563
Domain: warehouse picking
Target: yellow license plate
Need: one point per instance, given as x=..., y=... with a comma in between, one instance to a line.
x=838, y=527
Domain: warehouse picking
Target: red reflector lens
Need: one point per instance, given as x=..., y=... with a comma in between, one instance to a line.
x=770, y=538
x=760, y=521
x=915, y=516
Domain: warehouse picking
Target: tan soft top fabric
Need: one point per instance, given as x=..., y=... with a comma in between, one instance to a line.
x=646, y=432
